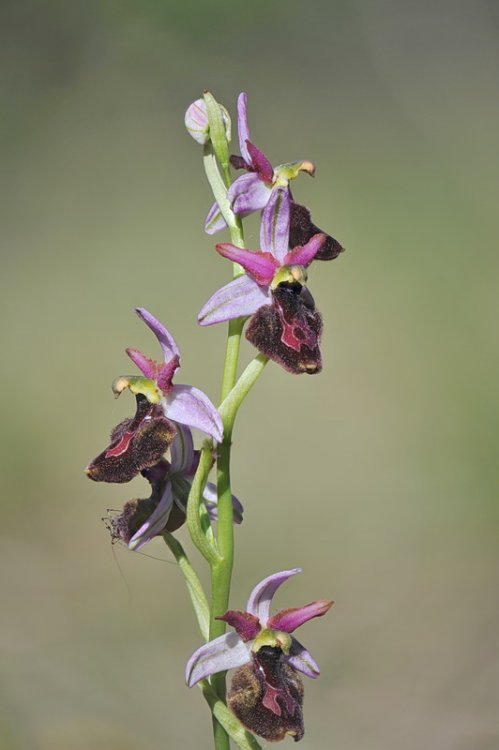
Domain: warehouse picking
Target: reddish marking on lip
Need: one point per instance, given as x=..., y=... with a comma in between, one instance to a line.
x=270, y=699
x=122, y=446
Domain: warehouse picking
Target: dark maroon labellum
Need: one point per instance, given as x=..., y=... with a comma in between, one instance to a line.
x=124, y=525
x=288, y=331
x=266, y=695
x=136, y=444
x=302, y=230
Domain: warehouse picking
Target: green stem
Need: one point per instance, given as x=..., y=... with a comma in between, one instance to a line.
x=221, y=567
x=194, y=586
x=230, y=405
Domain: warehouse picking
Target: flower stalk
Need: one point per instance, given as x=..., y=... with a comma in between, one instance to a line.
x=194, y=585
x=268, y=297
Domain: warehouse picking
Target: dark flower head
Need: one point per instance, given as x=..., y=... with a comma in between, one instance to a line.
x=165, y=510
x=266, y=692
x=288, y=330
x=285, y=325
x=302, y=229
x=136, y=444
x=266, y=695
x=162, y=406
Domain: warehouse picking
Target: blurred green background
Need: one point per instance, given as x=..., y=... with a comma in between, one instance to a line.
x=378, y=477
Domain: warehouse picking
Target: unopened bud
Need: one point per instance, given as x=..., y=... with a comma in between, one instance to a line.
x=196, y=121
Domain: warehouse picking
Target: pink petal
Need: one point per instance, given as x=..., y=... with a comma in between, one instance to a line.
x=248, y=194
x=237, y=299
x=261, y=597
x=302, y=660
x=166, y=340
x=226, y=652
x=260, y=266
x=261, y=164
x=246, y=626
x=303, y=256
x=191, y=407
x=274, y=229
x=290, y=619
x=166, y=373
x=148, y=367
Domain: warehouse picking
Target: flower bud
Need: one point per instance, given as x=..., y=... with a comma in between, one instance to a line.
x=196, y=122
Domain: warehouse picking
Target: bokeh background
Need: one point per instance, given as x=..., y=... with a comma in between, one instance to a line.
x=378, y=477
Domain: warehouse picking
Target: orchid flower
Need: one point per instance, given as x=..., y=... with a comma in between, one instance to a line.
x=266, y=692
x=139, y=442
x=253, y=190
x=285, y=325
x=165, y=510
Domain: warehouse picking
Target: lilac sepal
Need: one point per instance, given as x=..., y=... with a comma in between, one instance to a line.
x=156, y=521
x=302, y=660
x=290, y=619
x=303, y=256
x=166, y=340
x=182, y=452
x=237, y=299
x=261, y=597
x=248, y=193
x=210, y=496
x=261, y=266
x=226, y=652
x=242, y=126
x=189, y=406
x=274, y=229
x=214, y=222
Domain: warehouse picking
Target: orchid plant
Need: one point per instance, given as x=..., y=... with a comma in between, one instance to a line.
x=269, y=293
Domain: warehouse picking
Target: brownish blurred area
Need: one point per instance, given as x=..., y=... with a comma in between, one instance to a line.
x=378, y=477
